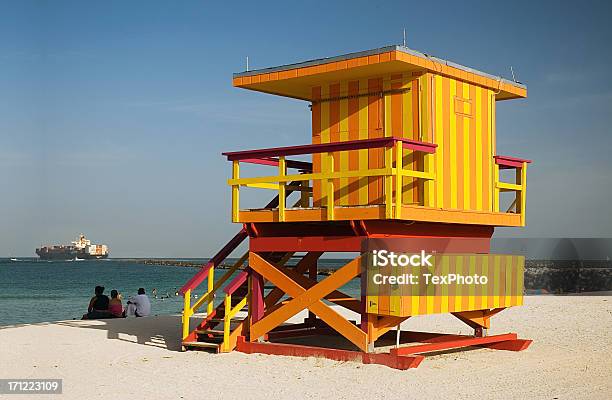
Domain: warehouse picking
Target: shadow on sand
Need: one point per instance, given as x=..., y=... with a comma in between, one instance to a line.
x=162, y=331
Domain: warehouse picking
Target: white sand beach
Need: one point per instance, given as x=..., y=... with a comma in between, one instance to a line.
x=570, y=358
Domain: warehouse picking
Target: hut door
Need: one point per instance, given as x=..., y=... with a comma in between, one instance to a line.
x=376, y=124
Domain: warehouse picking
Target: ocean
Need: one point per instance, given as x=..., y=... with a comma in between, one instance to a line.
x=33, y=291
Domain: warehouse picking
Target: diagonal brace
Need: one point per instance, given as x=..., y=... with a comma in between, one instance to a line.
x=311, y=299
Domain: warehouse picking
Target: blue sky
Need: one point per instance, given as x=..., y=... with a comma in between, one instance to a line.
x=113, y=114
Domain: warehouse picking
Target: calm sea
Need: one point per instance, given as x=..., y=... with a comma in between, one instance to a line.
x=39, y=291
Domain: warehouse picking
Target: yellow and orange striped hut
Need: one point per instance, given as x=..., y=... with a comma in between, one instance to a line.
x=395, y=92
x=403, y=146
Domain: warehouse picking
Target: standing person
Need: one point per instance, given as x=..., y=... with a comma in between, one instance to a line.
x=139, y=306
x=115, y=307
x=98, y=305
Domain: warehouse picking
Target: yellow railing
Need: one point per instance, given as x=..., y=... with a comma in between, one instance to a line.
x=393, y=168
x=208, y=297
x=229, y=336
x=230, y=313
x=519, y=186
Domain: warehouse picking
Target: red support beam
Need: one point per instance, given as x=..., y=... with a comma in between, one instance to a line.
x=256, y=304
x=374, y=228
x=282, y=349
x=355, y=244
x=312, y=275
x=509, y=345
x=309, y=243
x=453, y=342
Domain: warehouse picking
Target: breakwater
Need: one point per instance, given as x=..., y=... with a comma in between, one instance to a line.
x=546, y=276
x=322, y=270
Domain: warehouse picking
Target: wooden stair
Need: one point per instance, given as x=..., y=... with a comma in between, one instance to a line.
x=205, y=336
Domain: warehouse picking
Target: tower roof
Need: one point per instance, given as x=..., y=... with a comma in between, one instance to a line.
x=296, y=80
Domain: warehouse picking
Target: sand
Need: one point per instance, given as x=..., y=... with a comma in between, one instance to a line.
x=571, y=358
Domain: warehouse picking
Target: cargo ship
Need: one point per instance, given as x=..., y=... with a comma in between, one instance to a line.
x=79, y=249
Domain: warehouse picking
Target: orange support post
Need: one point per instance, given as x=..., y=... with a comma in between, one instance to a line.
x=310, y=299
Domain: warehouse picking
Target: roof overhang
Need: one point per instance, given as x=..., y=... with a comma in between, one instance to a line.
x=297, y=80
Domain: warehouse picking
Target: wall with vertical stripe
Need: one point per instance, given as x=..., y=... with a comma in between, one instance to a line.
x=504, y=288
x=463, y=127
x=458, y=116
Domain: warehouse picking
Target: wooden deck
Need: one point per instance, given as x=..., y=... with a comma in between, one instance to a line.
x=410, y=213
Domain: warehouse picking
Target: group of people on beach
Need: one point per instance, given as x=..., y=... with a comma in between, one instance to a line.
x=101, y=307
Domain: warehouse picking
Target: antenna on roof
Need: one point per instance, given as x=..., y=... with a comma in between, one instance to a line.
x=512, y=71
x=404, y=37
x=247, y=63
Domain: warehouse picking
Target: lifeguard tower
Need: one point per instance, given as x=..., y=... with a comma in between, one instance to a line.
x=403, y=146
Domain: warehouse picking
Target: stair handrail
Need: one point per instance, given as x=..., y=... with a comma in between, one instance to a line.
x=222, y=254
x=216, y=260
x=207, y=273
x=208, y=297
x=230, y=311
x=236, y=282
